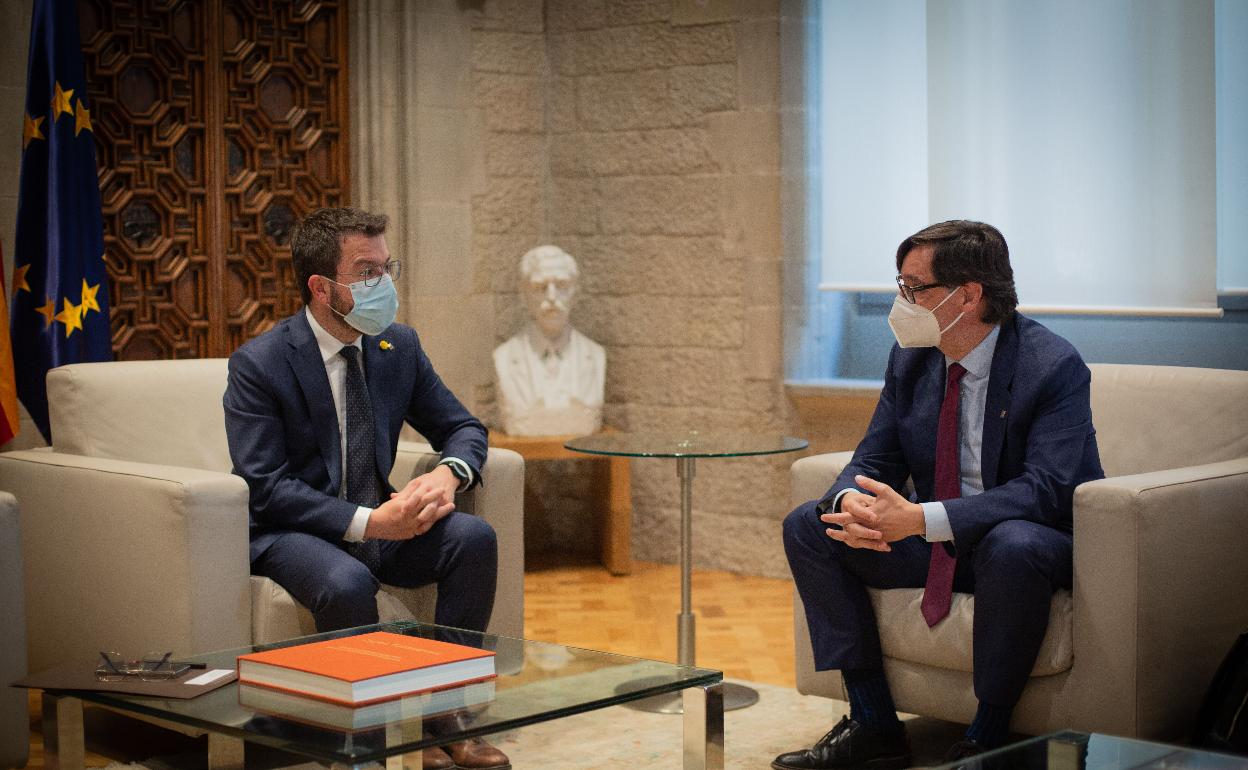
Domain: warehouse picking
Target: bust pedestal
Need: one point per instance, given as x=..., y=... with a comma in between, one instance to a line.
x=615, y=522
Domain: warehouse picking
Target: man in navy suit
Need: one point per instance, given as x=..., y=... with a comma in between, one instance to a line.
x=313, y=410
x=988, y=413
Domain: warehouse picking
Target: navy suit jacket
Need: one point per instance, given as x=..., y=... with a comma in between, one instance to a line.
x=1038, y=442
x=282, y=426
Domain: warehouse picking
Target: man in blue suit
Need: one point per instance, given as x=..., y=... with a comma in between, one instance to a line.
x=987, y=413
x=313, y=410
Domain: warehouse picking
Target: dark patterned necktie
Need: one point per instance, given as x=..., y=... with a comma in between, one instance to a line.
x=363, y=487
x=938, y=593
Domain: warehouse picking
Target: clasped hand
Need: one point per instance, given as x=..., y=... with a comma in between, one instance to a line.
x=415, y=508
x=875, y=519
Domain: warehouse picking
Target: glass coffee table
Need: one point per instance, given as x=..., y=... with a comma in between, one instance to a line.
x=1071, y=750
x=686, y=447
x=578, y=681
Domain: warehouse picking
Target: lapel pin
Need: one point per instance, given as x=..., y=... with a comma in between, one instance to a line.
x=387, y=346
x=1002, y=411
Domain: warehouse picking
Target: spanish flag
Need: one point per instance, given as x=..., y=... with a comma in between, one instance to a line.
x=8, y=382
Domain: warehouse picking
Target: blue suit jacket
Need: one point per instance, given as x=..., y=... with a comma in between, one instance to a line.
x=1038, y=443
x=283, y=429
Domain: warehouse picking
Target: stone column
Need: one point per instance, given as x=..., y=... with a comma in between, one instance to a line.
x=416, y=155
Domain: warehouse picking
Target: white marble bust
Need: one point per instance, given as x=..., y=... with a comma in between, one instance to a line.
x=549, y=376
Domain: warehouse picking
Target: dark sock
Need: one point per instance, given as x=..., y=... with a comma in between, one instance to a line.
x=870, y=701
x=991, y=725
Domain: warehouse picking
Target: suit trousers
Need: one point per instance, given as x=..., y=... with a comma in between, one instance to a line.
x=1012, y=572
x=459, y=553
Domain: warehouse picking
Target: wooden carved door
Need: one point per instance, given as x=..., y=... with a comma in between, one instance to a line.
x=218, y=124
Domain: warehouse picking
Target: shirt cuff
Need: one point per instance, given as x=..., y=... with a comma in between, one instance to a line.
x=836, y=501
x=463, y=466
x=359, y=523
x=937, y=523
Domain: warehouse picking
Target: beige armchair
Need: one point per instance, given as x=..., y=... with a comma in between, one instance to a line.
x=135, y=531
x=1159, y=571
x=14, y=710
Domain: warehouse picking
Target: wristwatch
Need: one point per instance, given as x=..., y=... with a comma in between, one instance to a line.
x=459, y=470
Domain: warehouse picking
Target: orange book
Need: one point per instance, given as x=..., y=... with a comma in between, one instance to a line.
x=364, y=669
x=321, y=713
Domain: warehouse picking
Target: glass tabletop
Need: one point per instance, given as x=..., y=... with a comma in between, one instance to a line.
x=691, y=443
x=536, y=682
x=1070, y=750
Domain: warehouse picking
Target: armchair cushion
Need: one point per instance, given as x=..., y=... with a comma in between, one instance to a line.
x=904, y=634
x=164, y=412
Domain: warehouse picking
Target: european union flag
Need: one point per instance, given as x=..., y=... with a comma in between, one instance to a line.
x=60, y=286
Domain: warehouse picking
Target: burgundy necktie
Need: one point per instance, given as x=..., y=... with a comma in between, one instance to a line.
x=939, y=590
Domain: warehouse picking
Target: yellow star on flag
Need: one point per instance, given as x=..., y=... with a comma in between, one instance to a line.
x=30, y=130
x=61, y=102
x=47, y=311
x=19, y=278
x=70, y=315
x=82, y=118
x=88, y=297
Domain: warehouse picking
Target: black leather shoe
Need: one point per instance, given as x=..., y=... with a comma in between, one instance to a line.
x=850, y=745
x=964, y=749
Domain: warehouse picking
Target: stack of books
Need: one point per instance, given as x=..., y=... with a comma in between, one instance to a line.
x=356, y=682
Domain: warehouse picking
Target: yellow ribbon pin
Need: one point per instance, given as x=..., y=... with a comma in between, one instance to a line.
x=385, y=345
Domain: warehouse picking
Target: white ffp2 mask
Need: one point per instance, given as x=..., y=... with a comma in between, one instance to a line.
x=915, y=326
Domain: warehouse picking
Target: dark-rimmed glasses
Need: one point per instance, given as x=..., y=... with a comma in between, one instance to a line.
x=152, y=667
x=908, y=292
x=372, y=276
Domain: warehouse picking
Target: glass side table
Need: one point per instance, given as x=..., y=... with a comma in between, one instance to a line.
x=686, y=447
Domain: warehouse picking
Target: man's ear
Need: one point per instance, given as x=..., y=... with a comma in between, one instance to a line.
x=974, y=297
x=318, y=289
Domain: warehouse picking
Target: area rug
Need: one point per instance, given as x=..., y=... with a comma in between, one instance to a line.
x=620, y=738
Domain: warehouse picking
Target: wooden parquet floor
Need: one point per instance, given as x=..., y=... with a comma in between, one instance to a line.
x=744, y=624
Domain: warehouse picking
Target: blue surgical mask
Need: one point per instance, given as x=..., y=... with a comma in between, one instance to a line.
x=375, y=306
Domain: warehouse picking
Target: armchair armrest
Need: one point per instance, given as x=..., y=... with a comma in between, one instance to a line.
x=129, y=556
x=14, y=717
x=811, y=476
x=1158, y=567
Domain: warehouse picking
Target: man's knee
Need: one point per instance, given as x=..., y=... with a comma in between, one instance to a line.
x=802, y=523
x=474, y=536
x=348, y=582
x=1016, y=543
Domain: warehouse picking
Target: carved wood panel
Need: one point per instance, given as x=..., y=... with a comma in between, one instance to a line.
x=218, y=124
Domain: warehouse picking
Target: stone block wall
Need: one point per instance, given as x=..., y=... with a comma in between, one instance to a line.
x=643, y=138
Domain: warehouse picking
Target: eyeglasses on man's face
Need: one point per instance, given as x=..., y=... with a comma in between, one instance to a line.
x=908, y=292
x=371, y=276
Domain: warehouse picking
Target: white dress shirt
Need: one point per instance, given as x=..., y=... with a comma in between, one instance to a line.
x=336, y=369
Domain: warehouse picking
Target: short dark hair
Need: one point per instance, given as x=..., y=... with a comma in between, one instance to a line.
x=966, y=251
x=316, y=244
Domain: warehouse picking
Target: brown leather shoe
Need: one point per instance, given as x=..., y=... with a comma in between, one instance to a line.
x=434, y=758
x=476, y=754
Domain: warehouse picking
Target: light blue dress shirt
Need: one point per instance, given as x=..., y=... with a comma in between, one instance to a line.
x=973, y=396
